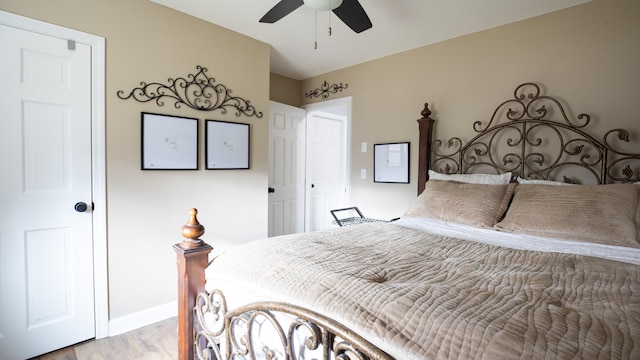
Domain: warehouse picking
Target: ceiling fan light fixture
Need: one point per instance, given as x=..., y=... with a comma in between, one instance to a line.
x=349, y=11
x=323, y=5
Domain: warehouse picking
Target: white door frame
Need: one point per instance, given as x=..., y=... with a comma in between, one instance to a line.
x=98, y=154
x=328, y=105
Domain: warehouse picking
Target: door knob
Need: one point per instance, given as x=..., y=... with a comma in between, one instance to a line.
x=271, y=190
x=80, y=206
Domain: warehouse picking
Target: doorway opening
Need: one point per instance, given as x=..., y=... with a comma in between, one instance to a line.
x=309, y=167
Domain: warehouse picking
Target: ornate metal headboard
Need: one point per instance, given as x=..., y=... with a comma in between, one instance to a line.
x=532, y=137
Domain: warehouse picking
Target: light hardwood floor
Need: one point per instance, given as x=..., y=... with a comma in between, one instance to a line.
x=157, y=341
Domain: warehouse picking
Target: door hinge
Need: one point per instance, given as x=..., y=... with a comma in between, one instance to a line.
x=71, y=44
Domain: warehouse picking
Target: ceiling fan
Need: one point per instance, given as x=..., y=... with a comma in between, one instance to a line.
x=349, y=11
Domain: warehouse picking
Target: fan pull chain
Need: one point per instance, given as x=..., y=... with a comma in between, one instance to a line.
x=315, y=42
x=330, y=11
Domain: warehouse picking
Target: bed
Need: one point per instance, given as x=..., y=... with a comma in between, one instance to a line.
x=523, y=242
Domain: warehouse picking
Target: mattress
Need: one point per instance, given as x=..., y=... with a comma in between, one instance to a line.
x=421, y=289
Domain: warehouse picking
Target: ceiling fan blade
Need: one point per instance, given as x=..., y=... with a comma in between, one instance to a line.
x=280, y=10
x=352, y=14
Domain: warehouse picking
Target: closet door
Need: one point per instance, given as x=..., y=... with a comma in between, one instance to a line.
x=46, y=227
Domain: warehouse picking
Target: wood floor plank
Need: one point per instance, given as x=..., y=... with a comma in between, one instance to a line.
x=63, y=354
x=157, y=341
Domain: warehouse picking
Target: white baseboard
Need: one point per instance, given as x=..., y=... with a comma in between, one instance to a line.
x=142, y=318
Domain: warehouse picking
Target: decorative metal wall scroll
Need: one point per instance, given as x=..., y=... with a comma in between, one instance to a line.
x=326, y=89
x=198, y=91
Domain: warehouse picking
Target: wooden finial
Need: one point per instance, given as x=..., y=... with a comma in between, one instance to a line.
x=191, y=231
x=425, y=112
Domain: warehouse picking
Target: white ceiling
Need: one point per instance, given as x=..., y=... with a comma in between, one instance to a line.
x=398, y=25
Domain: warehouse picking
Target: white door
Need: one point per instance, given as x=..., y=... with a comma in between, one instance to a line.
x=46, y=256
x=286, y=169
x=327, y=163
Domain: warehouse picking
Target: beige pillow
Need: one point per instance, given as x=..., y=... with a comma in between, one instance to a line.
x=489, y=179
x=471, y=204
x=604, y=214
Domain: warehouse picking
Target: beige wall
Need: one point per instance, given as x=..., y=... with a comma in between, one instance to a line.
x=588, y=55
x=284, y=90
x=148, y=42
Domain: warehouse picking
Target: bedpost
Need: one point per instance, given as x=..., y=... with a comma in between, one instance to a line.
x=425, y=125
x=192, y=258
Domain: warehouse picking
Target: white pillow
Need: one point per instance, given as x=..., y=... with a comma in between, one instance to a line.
x=486, y=179
x=522, y=181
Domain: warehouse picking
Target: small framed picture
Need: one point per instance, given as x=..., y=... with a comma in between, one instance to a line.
x=391, y=163
x=169, y=142
x=227, y=145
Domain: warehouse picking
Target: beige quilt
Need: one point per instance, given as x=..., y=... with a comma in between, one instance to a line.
x=422, y=296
